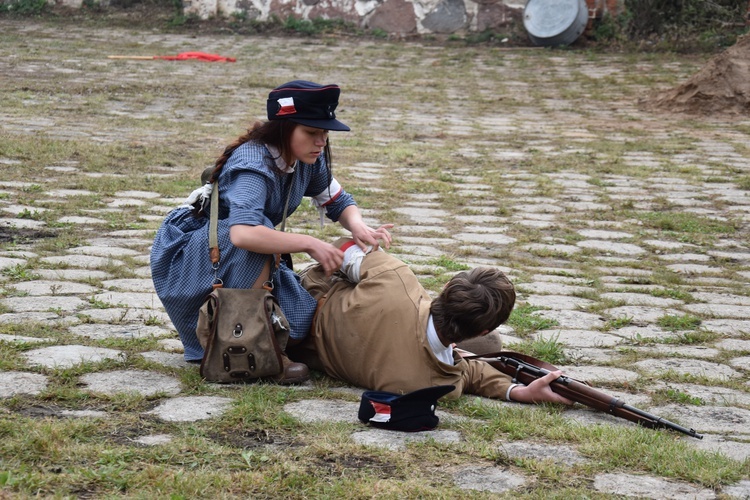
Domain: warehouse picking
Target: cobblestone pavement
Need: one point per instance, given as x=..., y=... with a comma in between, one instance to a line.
x=585, y=266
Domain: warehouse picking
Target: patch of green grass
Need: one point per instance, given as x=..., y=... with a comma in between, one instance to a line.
x=19, y=272
x=672, y=322
x=448, y=263
x=617, y=323
x=547, y=349
x=671, y=293
x=666, y=278
x=524, y=321
x=695, y=337
x=638, y=339
x=681, y=398
x=153, y=321
x=682, y=222
x=434, y=284
x=98, y=304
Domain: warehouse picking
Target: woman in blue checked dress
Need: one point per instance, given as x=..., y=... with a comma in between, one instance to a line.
x=276, y=162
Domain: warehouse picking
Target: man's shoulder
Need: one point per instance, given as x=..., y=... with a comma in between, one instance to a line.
x=384, y=266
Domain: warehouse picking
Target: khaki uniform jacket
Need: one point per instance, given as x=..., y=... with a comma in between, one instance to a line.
x=374, y=334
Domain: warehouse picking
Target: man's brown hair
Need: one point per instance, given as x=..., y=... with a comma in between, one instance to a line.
x=472, y=302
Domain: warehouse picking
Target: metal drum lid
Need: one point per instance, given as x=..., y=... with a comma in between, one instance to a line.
x=555, y=22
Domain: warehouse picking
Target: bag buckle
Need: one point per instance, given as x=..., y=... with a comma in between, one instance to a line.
x=237, y=332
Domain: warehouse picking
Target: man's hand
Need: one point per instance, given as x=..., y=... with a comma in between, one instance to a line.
x=539, y=391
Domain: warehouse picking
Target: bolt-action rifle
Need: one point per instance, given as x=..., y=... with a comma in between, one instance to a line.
x=525, y=369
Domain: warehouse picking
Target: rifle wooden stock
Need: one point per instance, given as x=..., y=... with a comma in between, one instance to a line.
x=525, y=369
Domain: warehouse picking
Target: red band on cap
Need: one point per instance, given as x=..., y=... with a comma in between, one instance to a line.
x=347, y=245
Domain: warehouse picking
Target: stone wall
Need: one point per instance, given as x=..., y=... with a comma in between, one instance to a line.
x=399, y=17
x=392, y=16
x=402, y=17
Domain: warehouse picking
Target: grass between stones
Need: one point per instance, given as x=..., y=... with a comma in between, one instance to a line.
x=528, y=144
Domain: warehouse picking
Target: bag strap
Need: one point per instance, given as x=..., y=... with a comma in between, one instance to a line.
x=213, y=239
x=287, y=257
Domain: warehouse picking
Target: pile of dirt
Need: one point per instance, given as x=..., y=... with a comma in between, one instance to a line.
x=721, y=87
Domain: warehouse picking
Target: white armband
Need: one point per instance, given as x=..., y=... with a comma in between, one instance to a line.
x=328, y=195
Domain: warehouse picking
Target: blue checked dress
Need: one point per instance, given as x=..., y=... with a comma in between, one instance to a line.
x=252, y=192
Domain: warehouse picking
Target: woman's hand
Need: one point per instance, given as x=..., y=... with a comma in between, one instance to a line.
x=261, y=239
x=365, y=236
x=327, y=255
x=539, y=391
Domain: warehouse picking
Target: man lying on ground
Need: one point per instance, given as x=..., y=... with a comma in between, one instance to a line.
x=377, y=327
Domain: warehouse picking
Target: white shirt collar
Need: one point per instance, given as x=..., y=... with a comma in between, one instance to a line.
x=442, y=353
x=280, y=163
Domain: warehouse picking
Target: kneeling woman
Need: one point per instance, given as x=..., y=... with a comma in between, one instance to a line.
x=262, y=177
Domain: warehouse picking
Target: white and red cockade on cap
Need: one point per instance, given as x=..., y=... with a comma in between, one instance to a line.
x=382, y=412
x=286, y=106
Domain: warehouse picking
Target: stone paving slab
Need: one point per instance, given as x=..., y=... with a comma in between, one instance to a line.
x=154, y=439
x=169, y=359
x=66, y=356
x=123, y=331
x=558, y=454
x=641, y=299
x=740, y=490
x=12, y=383
x=37, y=317
x=641, y=313
x=20, y=339
x=579, y=338
x=573, y=320
x=631, y=485
x=679, y=351
x=131, y=299
x=729, y=327
x=694, y=367
x=53, y=287
x=71, y=274
x=126, y=315
x=7, y=262
x=490, y=479
x=44, y=303
x=191, y=408
x=599, y=374
x=81, y=261
x=558, y=302
x=316, y=410
x=396, y=441
x=729, y=420
x=131, y=381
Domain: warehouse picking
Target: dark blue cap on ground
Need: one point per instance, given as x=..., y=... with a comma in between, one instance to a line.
x=306, y=103
x=410, y=412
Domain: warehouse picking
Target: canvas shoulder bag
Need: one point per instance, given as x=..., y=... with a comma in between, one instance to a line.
x=243, y=331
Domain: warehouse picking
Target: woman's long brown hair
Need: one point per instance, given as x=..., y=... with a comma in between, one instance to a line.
x=277, y=133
